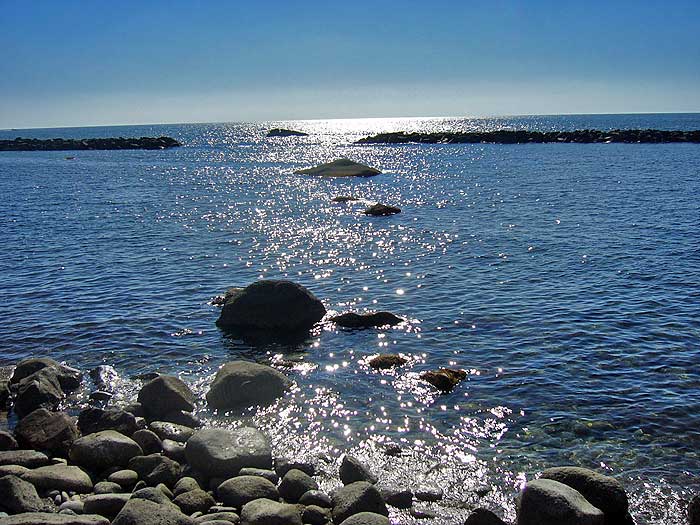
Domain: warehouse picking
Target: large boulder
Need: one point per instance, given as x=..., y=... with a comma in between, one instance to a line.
x=68, y=378
x=165, y=394
x=19, y=496
x=357, y=497
x=139, y=511
x=50, y=431
x=93, y=419
x=268, y=512
x=242, y=384
x=38, y=390
x=340, y=168
x=603, y=492
x=49, y=518
x=103, y=450
x=59, y=477
x=238, y=491
x=281, y=306
x=222, y=453
x=548, y=502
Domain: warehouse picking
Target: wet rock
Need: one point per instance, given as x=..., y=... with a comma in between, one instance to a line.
x=548, y=502
x=281, y=306
x=19, y=496
x=423, y=513
x=24, y=458
x=366, y=518
x=281, y=132
x=107, y=487
x=284, y=464
x=355, y=498
x=238, y=491
x=180, y=417
x=193, y=501
x=385, y=361
x=294, y=484
x=135, y=409
x=344, y=198
x=340, y=168
x=694, y=511
x=444, y=379
x=267, y=512
x=174, y=450
x=155, y=469
x=126, y=478
x=484, y=517
x=165, y=394
x=107, y=505
x=104, y=377
x=379, y=210
x=315, y=515
x=100, y=395
x=352, y=470
x=185, y=484
x=368, y=320
x=38, y=390
x=145, y=512
x=269, y=475
x=92, y=420
x=148, y=440
x=48, y=518
x=604, y=492
x=241, y=384
x=104, y=449
x=399, y=497
x=59, y=477
x=429, y=492
x=7, y=442
x=50, y=431
x=171, y=431
x=67, y=377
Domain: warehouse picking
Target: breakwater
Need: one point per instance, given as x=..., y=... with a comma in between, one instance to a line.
x=25, y=144
x=505, y=136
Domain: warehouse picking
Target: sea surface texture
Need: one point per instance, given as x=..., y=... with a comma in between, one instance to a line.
x=564, y=278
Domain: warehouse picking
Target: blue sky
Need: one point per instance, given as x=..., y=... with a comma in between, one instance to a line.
x=72, y=63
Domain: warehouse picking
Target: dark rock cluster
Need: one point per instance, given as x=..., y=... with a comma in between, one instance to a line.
x=24, y=144
x=281, y=132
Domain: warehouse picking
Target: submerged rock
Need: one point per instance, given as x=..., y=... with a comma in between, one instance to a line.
x=384, y=361
x=368, y=320
x=281, y=132
x=242, y=384
x=444, y=379
x=379, y=209
x=548, y=502
x=340, y=168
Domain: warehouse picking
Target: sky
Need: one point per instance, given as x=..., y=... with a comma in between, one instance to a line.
x=80, y=63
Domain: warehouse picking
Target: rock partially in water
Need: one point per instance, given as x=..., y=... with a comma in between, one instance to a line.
x=54, y=432
x=281, y=132
x=38, y=390
x=379, y=210
x=367, y=320
x=352, y=470
x=103, y=450
x=340, y=168
x=272, y=305
x=344, y=198
x=165, y=394
x=396, y=496
x=482, y=516
x=104, y=377
x=355, y=498
x=242, y=384
x=548, y=502
x=384, y=361
x=268, y=512
x=444, y=379
x=239, y=490
x=68, y=378
x=23, y=144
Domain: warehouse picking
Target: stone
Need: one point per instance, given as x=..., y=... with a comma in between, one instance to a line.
x=284, y=464
x=281, y=306
x=379, y=210
x=59, y=477
x=38, y=390
x=269, y=475
x=316, y=497
x=19, y=496
x=548, y=502
x=241, y=384
x=694, y=511
x=227, y=517
x=429, y=492
x=24, y=458
x=145, y=512
x=172, y=431
x=126, y=478
x=219, y=452
x=344, y=198
x=295, y=484
x=315, y=515
x=422, y=512
x=268, y=512
x=7, y=441
x=100, y=395
x=104, y=449
x=104, y=377
x=357, y=497
x=151, y=494
x=604, y=492
x=352, y=469
x=444, y=379
x=238, y=491
x=148, y=440
x=368, y=320
x=165, y=394
x=78, y=507
x=155, y=469
x=366, y=518
x=107, y=505
x=15, y=470
x=399, y=497
x=68, y=378
x=92, y=420
x=185, y=484
x=280, y=132
x=196, y=500
x=4, y=393
x=482, y=516
x=174, y=450
x=53, y=432
x=49, y=518
x=107, y=487
x=180, y=417
x=384, y=361
x=340, y=168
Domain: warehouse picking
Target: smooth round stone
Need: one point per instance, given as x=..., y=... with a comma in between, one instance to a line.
x=265, y=512
x=107, y=487
x=357, y=497
x=294, y=484
x=172, y=431
x=227, y=517
x=219, y=452
x=125, y=478
x=269, y=475
x=316, y=497
x=104, y=449
x=75, y=506
x=107, y=505
x=238, y=491
x=194, y=501
x=185, y=484
x=148, y=440
x=366, y=518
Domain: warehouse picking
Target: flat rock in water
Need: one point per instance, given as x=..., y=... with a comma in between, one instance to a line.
x=281, y=132
x=222, y=453
x=165, y=394
x=340, y=168
x=548, y=502
x=145, y=512
x=379, y=210
x=104, y=449
x=239, y=490
x=268, y=512
x=50, y=431
x=384, y=361
x=242, y=384
x=444, y=379
x=59, y=477
x=355, y=498
x=49, y=518
x=369, y=320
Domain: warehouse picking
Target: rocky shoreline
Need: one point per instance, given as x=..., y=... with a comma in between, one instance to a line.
x=149, y=143
x=504, y=136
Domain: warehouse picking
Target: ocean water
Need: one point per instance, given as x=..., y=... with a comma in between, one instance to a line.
x=565, y=278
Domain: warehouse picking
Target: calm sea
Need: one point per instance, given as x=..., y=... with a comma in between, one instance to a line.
x=564, y=278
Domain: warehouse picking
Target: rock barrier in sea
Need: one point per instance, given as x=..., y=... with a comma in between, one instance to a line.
x=25, y=144
x=506, y=136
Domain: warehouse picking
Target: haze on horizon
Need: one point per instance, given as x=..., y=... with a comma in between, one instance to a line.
x=79, y=63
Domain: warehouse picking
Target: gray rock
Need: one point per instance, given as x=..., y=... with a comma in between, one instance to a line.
x=172, y=431
x=352, y=470
x=174, y=450
x=429, y=492
x=92, y=420
x=357, y=497
x=50, y=431
x=294, y=484
x=107, y=487
x=240, y=384
x=284, y=464
x=484, y=517
x=269, y=475
x=226, y=517
x=185, y=484
x=422, y=512
x=366, y=518
x=104, y=449
x=155, y=469
x=48, y=518
x=316, y=515
x=126, y=478
x=218, y=452
x=151, y=494
x=196, y=500
x=68, y=378
x=316, y=497
x=107, y=505
x=548, y=502
x=145, y=512
x=19, y=496
x=38, y=390
x=15, y=470
x=77, y=507
x=340, y=168
x=267, y=512
x=165, y=394
x=399, y=497
x=603, y=492
x=24, y=458
x=59, y=477
x=7, y=442
x=272, y=305
x=238, y=491
x=148, y=440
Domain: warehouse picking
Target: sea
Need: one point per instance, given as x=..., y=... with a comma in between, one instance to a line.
x=563, y=278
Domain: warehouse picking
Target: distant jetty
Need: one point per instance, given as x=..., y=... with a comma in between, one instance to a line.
x=504, y=136
x=23, y=144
